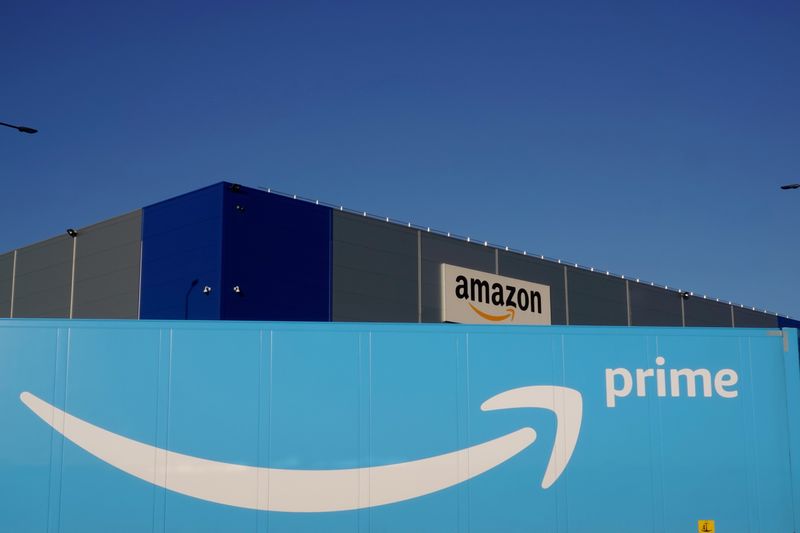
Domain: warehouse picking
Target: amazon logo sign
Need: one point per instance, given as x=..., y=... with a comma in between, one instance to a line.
x=475, y=297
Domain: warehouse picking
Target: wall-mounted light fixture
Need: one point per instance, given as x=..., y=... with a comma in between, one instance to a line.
x=72, y=233
x=206, y=290
x=237, y=289
x=685, y=295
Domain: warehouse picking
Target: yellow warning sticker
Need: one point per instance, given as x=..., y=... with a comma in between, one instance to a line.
x=705, y=526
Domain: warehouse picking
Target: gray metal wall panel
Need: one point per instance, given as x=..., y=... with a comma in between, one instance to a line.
x=374, y=270
x=706, y=313
x=536, y=270
x=107, y=263
x=6, y=271
x=652, y=306
x=747, y=318
x=437, y=250
x=43, y=279
x=596, y=299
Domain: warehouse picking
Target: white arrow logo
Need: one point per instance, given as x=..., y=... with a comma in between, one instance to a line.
x=314, y=491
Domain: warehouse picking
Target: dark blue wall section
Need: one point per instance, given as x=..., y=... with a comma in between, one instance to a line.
x=278, y=252
x=182, y=242
x=784, y=322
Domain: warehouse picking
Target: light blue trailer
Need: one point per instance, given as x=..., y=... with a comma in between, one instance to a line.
x=267, y=427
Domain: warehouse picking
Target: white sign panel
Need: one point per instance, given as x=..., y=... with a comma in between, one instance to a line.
x=475, y=297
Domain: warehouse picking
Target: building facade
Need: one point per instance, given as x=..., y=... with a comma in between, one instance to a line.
x=228, y=252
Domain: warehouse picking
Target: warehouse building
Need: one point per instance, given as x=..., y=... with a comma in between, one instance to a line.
x=231, y=252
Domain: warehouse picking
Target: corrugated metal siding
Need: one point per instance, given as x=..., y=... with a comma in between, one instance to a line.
x=294, y=260
x=278, y=252
x=374, y=270
x=652, y=306
x=6, y=281
x=747, y=318
x=43, y=279
x=181, y=243
x=703, y=313
x=107, y=261
x=596, y=299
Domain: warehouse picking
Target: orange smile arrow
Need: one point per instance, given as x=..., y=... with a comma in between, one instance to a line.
x=494, y=318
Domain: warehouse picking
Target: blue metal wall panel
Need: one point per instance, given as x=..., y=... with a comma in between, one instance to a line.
x=520, y=360
x=30, y=354
x=792, y=368
x=395, y=364
x=256, y=411
x=199, y=378
x=101, y=360
x=278, y=252
x=300, y=371
x=182, y=253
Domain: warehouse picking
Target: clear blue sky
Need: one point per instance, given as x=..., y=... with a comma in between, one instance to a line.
x=648, y=138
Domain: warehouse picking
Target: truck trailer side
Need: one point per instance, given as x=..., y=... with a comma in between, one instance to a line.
x=266, y=427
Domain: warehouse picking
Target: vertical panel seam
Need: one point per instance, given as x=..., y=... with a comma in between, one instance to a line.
x=72, y=280
x=565, y=488
x=369, y=441
x=461, y=406
x=659, y=411
x=13, y=284
x=628, y=301
x=652, y=428
x=260, y=470
x=360, y=425
x=683, y=312
x=789, y=439
x=755, y=418
x=747, y=427
x=64, y=407
x=330, y=265
x=166, y=431
x=262, y=429
x=566, y=294
x=52, y=433
x=269, y=421
x=222, y=253
x=469, y=440
x=419, y=276
x=155, y=436
x=141, y=255
x=459, y=444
